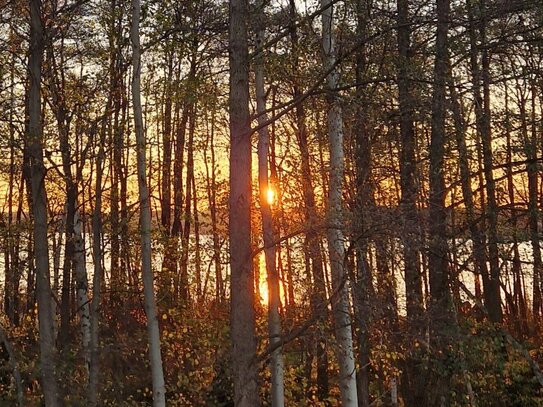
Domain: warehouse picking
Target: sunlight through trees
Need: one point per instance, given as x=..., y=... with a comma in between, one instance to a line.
x=253, y=203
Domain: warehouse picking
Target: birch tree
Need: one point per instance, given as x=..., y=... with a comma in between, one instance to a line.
x=81, y=284
x=94, y=370
x=341, y=308
x=274, y=321
x=159, y=389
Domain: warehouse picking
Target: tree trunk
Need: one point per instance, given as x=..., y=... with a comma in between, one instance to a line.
x=81, y=283
x=187, y=214
x=242, y=316
x=411, y=238
x=413, y=377
x=159, y=390
x=197, y=248
x=518, y=292
x=482, y=115
x=312, y=245
x=177, y=227
x=440, y=313
x=479, y=250
x=12, y=272
x=531, y=168
x=363, y=287
x=94, y=368
x=274, y=319
x=63, y=125
x=165, y=215
x=170, y=242
x=336, y=241
x=39, y=208
x=212, y=202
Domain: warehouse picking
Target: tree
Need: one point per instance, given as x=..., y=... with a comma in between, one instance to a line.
x=34, y=146
x=159, y=389
x=242, y=313
x=441, y=322
x=413, y=378
x=336, y=242
x=491, y=282
x=314, y=258
x=268, y=232
x=363, y=206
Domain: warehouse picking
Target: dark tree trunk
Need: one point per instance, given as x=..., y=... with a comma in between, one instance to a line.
x=314, y=255
x=408, y=186
x=39, y=208
x=482, y=115
x=413, y=378
x=363, y=287
x=440, y=305
x=242, y=317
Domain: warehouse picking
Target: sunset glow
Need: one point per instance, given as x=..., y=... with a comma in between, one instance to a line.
x=290, y=203
x=270, y=196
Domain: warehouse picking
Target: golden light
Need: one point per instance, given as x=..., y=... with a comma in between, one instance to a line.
x=263, y=283
x=270, y=196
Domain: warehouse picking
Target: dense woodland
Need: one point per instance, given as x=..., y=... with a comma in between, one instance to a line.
x=285, y=203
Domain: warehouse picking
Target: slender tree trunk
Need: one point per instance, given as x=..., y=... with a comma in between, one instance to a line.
x=124, y=250
x=81, y=283
x=69, y=248
x=482, y=115
x=410, y=241
x=63, y=125
x=341, y=309
x=413, y=377
x=159, y=390
x=477, y=237
x=363, y=287
x=197, y=248
x=12, y=272
x=39, y=208
x=242, y=315
x=440, y=306
x=274, y=319
x=531, y=168
x=185, y=241
x=166, y=187
x=94, y=369
x=318, y=294
x=518, y=292
x=437, y=251
x=177, y=227
x=212, y=196
x=115, y=136
x=170, y=242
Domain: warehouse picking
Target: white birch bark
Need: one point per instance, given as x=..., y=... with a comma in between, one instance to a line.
x=274, y=319
x=94, y=369
x=394, y=392
x=341, y=308
x=159, y=390
x=81, y=283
